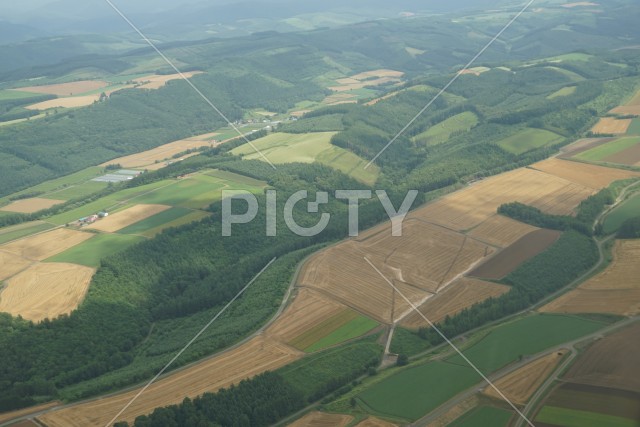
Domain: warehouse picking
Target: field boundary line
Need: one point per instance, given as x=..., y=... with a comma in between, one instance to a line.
x=186, y=79
x=435, y=328
x=113, y=420
x=452, y=81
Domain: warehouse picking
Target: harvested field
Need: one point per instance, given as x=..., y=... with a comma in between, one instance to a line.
x=7, y=416
x=127, y=217
x=44, y=245
x=67, y=89
x=582, y=145
x=461, y=294
x=155, y=156
x=519, y=385
x=592, y=176
x=252, y=358
x=378, y=73
x=158, y=81
x=375, y=422
x=510, y=258
x=610, y=362
x=322, y=419
x=616, y=290
x=30, y=205
x=45, y=290
x=473, y=205
x=307, y=310
x=501, y=231
x=425, y=259
x=629, y=156
x=11, y=264
x=624, y=150
x=611, y=126
x=70, y=102
x=627, y=110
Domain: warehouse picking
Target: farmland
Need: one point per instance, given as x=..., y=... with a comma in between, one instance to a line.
x=510, y=258
x=321, y=419
x=622, y=150
x=529, y=139
x=591, y=176
x=616, y=290
x=611, y=126
x=484, y=416
x=67, y=89
x=155, y=221
x=461, y=294
x=11, y=264
x=375, y=422
x=632, y=107
x=47, y=244
x=629, y=209
x=565, y=91
x=30, y=205
x=354, y=328
x=553, y=416
x=501, y=231
x=127, y=217
x=8, y=234
x=441, y=132
x=45, y=290
x=519, y=385
x=92, y=251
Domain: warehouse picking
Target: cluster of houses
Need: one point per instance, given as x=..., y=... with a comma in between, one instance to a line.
x=87, y=220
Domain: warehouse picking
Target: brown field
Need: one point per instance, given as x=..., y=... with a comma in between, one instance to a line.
x=375, y=422
x=592, y=176
x=158, y=81
x=44, y=245
x=122, y=219
x=582, y=145
x=155, y=156
x=507, y=260
x=340, y=98
x=308, y=309
x=501, y=231
x=343, y=272
x=30, y=205
x=461, y=294
x=519, y=385
x=378, y=73
x=322, y=329
x=45, y=290
x=475, y=204
x=71, y=102
x=616, y=290
x=11, y=264
x=322, y=419
x=610, y=362
x=252, y=358
x=629, y=156
x=67, y=89
x=6, y=416
x=627, y=110
x=611, y=125
x=367, y=79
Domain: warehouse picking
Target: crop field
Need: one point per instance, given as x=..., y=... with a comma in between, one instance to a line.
x=554, y=416
x=634, y=129
x=252, y=358
x=461, y=294
x=529, y=335
x=501, y=231
x=334, y=330
x=413, y=392
x=616, y=290
x=163, y=152
x=67, y=89
x=196, y=192
x=11, y=94
x=30, y=205
x=591, y=176
x=93, y=250
x=375, y=422
x=8, y=234
x=529, y=139
x=70, y=102
x=343, y=272
x=127, y=217
x=11, y=264
x=45, y=290
x=510, y=258
x=629, y=209
x=611, y=126
x=582, y=145
x=484, y=416
x=158, y=81
x=473, y=205
x=367, y=78
x=441, y=132
x=165, y=216
x=519, y=385
x=630, y=108
x=624, y=151
x=45, y=245
x=192, y=216
x=565, y=91
x=322, y=419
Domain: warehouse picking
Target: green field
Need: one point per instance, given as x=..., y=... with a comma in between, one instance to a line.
x=413, y=392
x=570, y=74
x=155, y=221
x=529, y=139
x=483, y=416
x=634, y=129
x=565, y=91
x=609, y=149
x=629, y=209
x=17, y=231
x=439, y=133
x=78, y=191
x=526, y=336
x=309, y=148
x=193, y=216
x=575, y=418
x=353, y=329
x=90, y=252
x=6, y=95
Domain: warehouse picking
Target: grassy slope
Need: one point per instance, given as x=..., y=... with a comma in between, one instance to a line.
x=628, y=209
x=90, y=252
x=634, y=129
x=574, y=418
x=565, y=91
x=155, y=221
x=528, y=139
x=441, y=132
x=483, y=416
x=603, y=151
x=353, y=329
x=12, y=233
